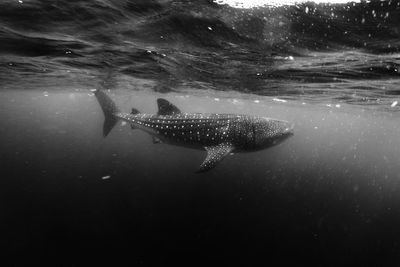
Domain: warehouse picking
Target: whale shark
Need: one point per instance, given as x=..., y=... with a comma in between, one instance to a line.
x=218, y=134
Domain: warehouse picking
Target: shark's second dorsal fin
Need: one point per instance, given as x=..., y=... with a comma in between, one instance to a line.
x=214, y=155
x=166, y=108
x=135, y=111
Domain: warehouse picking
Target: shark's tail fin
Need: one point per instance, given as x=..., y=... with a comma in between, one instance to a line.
x=109, y=108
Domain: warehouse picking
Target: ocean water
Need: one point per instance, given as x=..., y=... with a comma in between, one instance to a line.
x=328, y=196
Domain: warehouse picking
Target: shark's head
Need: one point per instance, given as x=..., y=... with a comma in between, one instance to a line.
x=269, y=132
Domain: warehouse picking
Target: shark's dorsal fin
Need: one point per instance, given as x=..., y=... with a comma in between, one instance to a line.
x=214, y=155
x=135, y=111
x=166, y=108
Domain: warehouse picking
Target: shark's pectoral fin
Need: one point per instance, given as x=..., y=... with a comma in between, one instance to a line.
x=214, y=155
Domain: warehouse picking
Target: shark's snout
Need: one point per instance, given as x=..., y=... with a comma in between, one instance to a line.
x=286, y=128
x=289, y=128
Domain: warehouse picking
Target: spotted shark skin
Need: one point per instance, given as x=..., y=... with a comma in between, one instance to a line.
x=218, y=134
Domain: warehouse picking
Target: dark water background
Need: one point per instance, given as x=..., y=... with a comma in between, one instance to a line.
x=328, y=196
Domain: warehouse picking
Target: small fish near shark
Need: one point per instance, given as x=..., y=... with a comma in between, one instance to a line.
x=218, y=134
